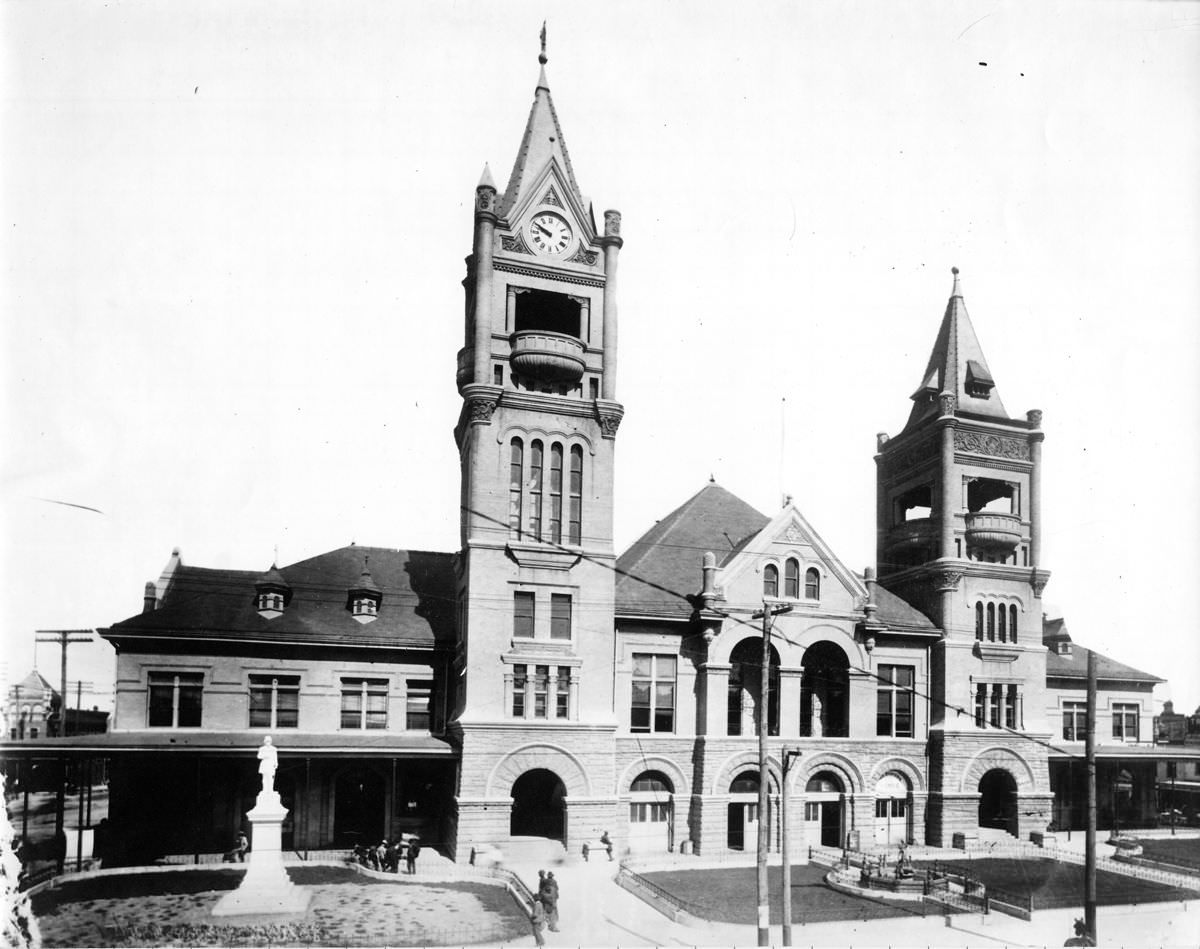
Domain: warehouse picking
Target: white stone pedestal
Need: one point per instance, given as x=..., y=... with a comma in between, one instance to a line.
x=265, y=889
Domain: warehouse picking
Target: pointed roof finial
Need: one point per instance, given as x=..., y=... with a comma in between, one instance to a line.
x=542, y=54
x=957, y=291
x=485, y=180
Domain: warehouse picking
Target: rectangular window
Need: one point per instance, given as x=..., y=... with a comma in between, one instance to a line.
x=515, y=485
x=364, y=703
x=556, y=486
x=980, y=705
x=1125, y=722
x=518, y=696
x=535, y=490
x=523, y=614
x=575, y=508
x=541, y=686
x=1010, y=708
x=562, y=695
x=175, y=699
x=418, y=704
x=894, y=701
x=812, y=812
x=560, y=616
x=994, y=711
x=653, y=704
x=274, y=701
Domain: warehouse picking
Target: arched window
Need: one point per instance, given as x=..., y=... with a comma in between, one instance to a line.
x=575, y=508
x=791, y=579
x=515, y=468
x=991, y=622
x=770, y=580
x=979, y=621
x=812, y=584
x=652, y=781
x=1012, y=623
x=535, y=490
x=556, y=487
x=1003, y=624
x=745, y=783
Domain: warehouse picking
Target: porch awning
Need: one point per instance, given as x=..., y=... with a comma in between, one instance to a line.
x=237, y=744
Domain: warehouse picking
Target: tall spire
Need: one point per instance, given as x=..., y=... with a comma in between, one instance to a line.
x=957, y=366
x=542, y=142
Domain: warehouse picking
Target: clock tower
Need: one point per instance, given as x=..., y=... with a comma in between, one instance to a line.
x=536, y=435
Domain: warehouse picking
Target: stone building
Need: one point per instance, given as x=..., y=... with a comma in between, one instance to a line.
x=535, y=683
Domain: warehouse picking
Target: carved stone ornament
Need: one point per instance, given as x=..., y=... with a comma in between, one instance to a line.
x=881, y=439
x=609, y=425
x=948, y=402
x=793, y=534
x=481, y=410
x=998, y=446
x=485, y=200
x=949, y=580
x=1039, y=585
x=612, y=223
x=552, y=198
x=515, y=244
x=912, y=456
x=1035, y=418
x=583, y=256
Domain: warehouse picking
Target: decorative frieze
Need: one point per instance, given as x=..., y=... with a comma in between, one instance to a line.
x=547, y=273
x=904, y=458
x=515, y=244
x=609, y=424
x=552, y=198
x=996, y=446
x=583, y=256
x=481, y=410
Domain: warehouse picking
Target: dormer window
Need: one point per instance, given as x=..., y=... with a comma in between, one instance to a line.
x=364, y=598
x=272, y=594
x=979, y=382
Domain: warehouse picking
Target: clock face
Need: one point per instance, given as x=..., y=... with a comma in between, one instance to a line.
x=550, y=233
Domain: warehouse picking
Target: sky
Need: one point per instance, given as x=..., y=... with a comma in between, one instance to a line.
x=233, y=240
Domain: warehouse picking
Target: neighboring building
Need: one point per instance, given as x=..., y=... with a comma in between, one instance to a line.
x=535, y=683
x=33, y=711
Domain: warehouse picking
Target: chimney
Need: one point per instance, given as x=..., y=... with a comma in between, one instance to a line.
x=149, y=598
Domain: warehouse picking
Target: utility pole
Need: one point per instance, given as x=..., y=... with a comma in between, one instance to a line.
x=1089, y=859
x=789, y=755
x=64, y=637
x=767, y=614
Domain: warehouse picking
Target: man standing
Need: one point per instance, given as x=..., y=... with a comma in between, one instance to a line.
x=414, y=848
x=548, y=892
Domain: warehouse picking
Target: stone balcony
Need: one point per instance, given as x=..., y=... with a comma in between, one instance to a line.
x=994, y=532
x=919, y=532
x=553, y=357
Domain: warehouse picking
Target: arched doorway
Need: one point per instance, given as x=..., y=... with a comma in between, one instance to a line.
x=823, y=808
x=650, y=812
x=745, y=663
x=538, y=808
x=742, y=828
x=998, y=801
x=892, y=811
x=359, y=802
x=825, y=692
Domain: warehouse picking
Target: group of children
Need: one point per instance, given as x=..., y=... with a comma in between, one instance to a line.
x=387, y=856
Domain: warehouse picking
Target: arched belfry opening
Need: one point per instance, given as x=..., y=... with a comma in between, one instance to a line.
x=539, y=805
x=998, y=801
x=547, y=312
x=825, y=692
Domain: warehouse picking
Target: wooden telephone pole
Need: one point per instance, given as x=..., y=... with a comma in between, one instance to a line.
x=767, y=614
x=64, y=637
x=1089, y=857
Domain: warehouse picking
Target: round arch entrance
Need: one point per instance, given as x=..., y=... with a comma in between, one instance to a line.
x=998, y=801
x=893, y=813
x=538, y=808
x=823, y=809
x=358, y=807
x=742, y=826
x=651, y=814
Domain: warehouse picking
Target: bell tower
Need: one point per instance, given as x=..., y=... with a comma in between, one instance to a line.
x=959, y=526
x=536, y=434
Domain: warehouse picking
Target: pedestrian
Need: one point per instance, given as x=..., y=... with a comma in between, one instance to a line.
x=548, y=891
x=392, y=863
x=237, y=853
x=414, y=849
x=607, y=841
x=537, y=919
x=585, y=849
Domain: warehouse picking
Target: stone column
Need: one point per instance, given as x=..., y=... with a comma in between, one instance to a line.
x=485, y=227
x=1035, y=488
x=612, y=243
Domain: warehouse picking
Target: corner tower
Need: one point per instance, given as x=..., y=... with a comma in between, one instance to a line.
x=536, y=433
x=958, y=519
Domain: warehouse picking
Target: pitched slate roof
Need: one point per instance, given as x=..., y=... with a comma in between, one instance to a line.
x=35, y=682
x=1074, y=666
x=900, y=614
x=956, y=356
x=662, y=567
x=418, y=590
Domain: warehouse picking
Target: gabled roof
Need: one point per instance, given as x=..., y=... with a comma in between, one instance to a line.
x=1074, y=666
x=35, y=682
x=418, y=607
x=543, y=141
x=956, y=358
x=661, y=569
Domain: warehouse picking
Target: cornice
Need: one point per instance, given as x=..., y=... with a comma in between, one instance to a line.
x=537, y=269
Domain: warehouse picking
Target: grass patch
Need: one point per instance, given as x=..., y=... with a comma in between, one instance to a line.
x=1178, y=851
x=1056, y=885
x=729, y=895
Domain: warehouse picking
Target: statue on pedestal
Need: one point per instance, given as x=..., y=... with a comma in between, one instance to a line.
x=268, y=761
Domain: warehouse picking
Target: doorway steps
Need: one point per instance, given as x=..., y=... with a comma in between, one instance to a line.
x=532, y=851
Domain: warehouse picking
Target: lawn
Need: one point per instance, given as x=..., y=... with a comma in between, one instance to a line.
x=1178, y=851
x=1054, y=884
x=347, y=909
x=728, y=895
